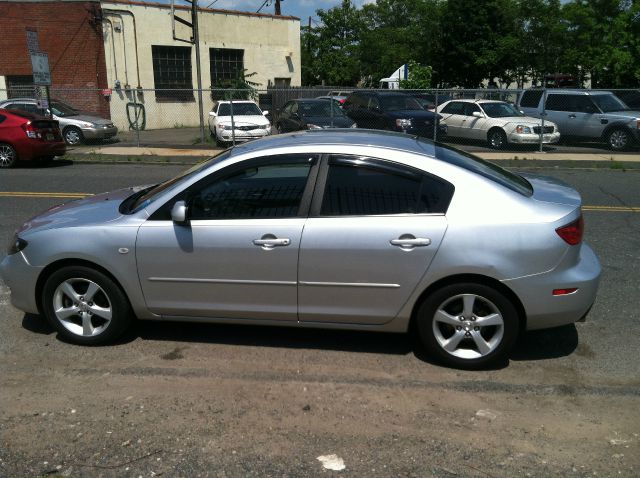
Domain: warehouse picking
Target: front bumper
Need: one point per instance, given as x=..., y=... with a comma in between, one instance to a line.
x=545, y=310
x=21, y=278
x=99, y=132
x=519, y=138
x=240, y=135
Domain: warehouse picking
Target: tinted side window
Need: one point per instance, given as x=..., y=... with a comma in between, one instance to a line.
x=360, y=187
x=29, y=108
x=271, y=190
x=2, y=118
x=560, y=103
x=470, y=108
x=531, y=98
x=454, y=108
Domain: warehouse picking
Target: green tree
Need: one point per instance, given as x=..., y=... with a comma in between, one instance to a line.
x=419, y=77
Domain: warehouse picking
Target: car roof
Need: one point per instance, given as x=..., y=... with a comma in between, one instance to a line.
x=342, y=136
x=479, y=100
x=235, y=101
x=559, y=91
x=11, y=100
x=23, y=114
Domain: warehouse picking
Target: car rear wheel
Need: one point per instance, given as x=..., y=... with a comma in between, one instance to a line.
x=72, y=135
x=8, y=156
x=85, y=306
x=618, y=139
x=468, y=325
x=497, y=139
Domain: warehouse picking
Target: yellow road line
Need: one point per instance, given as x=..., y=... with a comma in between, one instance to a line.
x=611, y=208
x=44, y=195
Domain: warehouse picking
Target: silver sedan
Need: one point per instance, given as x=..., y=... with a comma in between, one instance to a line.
x=336, y=229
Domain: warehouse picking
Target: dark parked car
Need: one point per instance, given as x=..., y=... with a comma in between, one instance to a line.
x=25, y=137
x=393, y=111
x=631, y=98
x=430, y=101
x=311, y=113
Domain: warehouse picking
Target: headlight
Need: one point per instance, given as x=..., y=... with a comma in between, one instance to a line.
x=403, y=123
x=16, y=245
x=521, y=129
x=224, y=126
x=354, y=125
x=313, y=126
x=87, y=125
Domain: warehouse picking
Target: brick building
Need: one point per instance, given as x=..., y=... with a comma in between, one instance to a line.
x=70, y=32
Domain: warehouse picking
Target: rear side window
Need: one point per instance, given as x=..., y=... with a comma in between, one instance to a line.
x=531, y=98
x=2, y=118
x=364, y=186
x=454, y=108
x=488, y=170
x=575, y=103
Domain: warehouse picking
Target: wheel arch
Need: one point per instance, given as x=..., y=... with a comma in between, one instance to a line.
x=59, y=264
x=496, y=128
x=474, y=278
x=615, y=126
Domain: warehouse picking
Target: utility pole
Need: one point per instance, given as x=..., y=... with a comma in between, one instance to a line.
x=309, y=38
x=278, y=7
x=194, y=40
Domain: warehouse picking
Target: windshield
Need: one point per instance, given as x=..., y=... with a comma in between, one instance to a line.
x=152, y=194
x=62, y=110
x=319, y=108
x=239, y=109
x=609, y=103
x=399, y=103
x=500, y=110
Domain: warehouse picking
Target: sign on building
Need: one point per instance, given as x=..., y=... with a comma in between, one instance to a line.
x=33, y=42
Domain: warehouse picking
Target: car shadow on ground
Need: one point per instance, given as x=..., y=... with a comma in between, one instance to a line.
x=536, y=345
x=56, y=163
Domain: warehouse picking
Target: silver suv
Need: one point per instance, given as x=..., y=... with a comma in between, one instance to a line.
x=75, y=125
x=591, y=115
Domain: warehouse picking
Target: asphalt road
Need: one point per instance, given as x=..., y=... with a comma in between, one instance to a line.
x=209, y=400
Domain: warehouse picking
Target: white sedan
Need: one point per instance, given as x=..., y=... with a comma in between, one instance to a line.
x=496, y=122
x=248, y=121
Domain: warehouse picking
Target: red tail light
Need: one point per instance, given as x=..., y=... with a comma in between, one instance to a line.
x=342, y=100
x=30, y=131
x=572, y=232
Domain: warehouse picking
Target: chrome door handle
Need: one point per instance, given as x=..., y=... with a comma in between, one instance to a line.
x=572, y=116
x=410, y=242
x=268, y=241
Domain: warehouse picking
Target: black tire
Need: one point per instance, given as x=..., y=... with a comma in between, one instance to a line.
x=93, y=310
x=619, y=139
x=465, y=335
x=72, y=135
x=497, y=138
x=8, y=156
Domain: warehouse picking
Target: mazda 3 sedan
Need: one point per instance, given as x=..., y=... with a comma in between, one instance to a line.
x=345, y=229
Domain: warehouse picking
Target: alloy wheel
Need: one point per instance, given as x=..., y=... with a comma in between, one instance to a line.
x=468, y=326
x=8, y=156
x=82, y=307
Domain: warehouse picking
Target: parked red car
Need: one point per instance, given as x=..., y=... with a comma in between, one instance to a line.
x=25, y=137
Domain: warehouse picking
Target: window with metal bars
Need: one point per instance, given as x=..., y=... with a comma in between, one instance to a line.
x=172, y=73
x=225, y=65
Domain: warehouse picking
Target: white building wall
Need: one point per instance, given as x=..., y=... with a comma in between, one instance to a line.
x=267, y=41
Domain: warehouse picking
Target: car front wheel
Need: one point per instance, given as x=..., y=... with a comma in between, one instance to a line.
x=497, y=139
x=468, y=325
x=85, y=305
x=72, y=135
x=618, y=139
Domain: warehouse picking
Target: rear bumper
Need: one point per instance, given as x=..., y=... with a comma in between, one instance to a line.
x=544, y=310
x=35, y=148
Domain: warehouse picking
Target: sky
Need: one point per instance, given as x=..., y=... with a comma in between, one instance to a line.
x=297, y=8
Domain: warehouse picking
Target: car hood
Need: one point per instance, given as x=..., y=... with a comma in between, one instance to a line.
x=92, y=210
x=418, y=114
x=552, y=190
x=244, y=120
x=624, y=115
x=526, y=120
x=338, y=121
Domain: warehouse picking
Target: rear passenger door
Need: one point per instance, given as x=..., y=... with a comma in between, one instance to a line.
x=453, y=115
x=575, y=115
x=373, y=231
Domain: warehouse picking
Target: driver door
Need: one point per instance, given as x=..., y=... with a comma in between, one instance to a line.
x=237, y=256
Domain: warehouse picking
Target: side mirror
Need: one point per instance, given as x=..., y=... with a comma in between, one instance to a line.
x=477, y=114
x=212, y=113
x=265, y=113
x=179, y=212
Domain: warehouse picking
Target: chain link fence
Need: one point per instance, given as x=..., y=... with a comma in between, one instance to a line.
x=478, y=119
